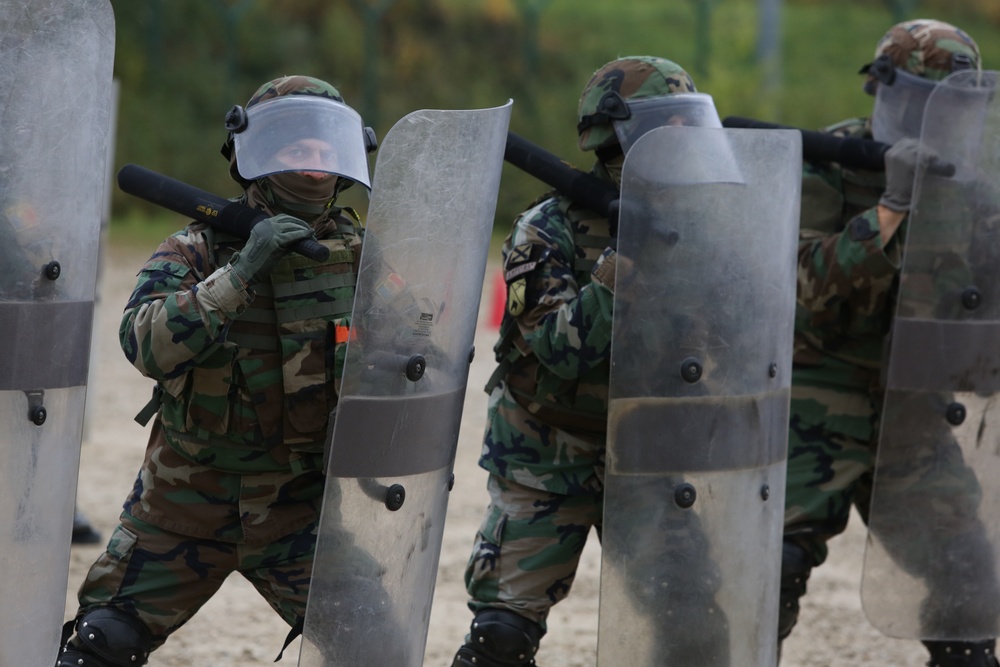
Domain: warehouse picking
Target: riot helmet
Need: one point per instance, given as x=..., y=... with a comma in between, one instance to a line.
x=909, y=61
x=627, y=97
x=298, y=139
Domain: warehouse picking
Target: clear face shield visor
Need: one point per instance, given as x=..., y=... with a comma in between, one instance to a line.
x=899, y=107
x=678, y=109
x=302, y=133
x=710, y=158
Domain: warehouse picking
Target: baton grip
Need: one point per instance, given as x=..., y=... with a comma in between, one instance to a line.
x=197, y=204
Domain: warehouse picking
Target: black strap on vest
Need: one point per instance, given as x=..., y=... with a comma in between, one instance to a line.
x=151, y=407
x=292, y=634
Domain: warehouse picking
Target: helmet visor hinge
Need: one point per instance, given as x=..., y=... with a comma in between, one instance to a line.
x=611, y=107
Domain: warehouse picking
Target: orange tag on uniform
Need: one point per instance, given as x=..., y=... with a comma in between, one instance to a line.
x=341, y=334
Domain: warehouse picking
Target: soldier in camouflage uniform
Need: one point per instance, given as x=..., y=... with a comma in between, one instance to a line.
x=246, y=344
x=849, y=259
x=545, y=439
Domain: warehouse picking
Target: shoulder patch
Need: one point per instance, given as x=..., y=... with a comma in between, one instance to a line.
x=523, y=259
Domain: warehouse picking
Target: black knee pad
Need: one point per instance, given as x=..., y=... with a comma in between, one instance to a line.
x=796, y=564
x=107, y=637
x=500, y=638
x=961, y=654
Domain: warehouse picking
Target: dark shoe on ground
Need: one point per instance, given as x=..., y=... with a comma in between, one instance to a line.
x=83, y=532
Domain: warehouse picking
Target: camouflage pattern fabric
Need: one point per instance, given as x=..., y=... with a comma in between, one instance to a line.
x=164, y=578
x=247, y=380
x=632, y=77
x=925, y=48
x=547, y=415
x=846, y=301
x=846, y=280
x=528, y=547
x=231, y=481
x=197, y=500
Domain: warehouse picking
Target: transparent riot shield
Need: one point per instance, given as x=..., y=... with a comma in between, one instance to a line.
x=56, y=59
x=698, y=416
x=397, y=422
x=931, y=564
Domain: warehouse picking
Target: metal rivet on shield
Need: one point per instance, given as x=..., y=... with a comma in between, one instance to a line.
x=394, y=497
x=38, y=415
x=451, y=481
x=472, y=353
x=955, y=414
x=971, y=298
x=691, y=369
x=685, y=495
x=772, y=370
x=765, y=492
x=415, y=367
x=53, y=270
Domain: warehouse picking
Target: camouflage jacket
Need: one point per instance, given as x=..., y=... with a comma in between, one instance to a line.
x=554, y=349
x=846, y=277
x=246, y=380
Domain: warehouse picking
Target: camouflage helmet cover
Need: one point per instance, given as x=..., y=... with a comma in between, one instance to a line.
x=924, y=48
x=632, y=77
x=294, y=85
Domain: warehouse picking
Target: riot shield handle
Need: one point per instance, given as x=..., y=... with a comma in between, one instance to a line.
x=218, y=212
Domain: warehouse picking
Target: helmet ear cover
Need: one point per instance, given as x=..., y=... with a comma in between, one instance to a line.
x=236, y=121
x=612, y=106
x=882, y=69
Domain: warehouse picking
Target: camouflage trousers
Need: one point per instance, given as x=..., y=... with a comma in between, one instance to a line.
x=527, y=549
x=928, y=497
x=164, y=577
x=830, y=462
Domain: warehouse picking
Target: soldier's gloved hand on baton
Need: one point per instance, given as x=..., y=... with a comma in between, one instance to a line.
x=268, y=242
x=612, y=269
x=900, y=169
x=606, y=269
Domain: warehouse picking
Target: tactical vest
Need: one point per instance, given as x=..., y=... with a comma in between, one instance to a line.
x=275, y=379
x=578, y=405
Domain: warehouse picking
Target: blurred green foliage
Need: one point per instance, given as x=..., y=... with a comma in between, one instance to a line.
x=182, y=64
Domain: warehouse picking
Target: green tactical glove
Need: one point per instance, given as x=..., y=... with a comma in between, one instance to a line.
x=268, y=242
x=900, y=168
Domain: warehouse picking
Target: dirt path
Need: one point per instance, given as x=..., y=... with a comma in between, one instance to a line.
x=238, y=628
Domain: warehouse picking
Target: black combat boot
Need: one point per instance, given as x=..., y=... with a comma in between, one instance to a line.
x=500, y=638
x=83, y=532
x=962, y=654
